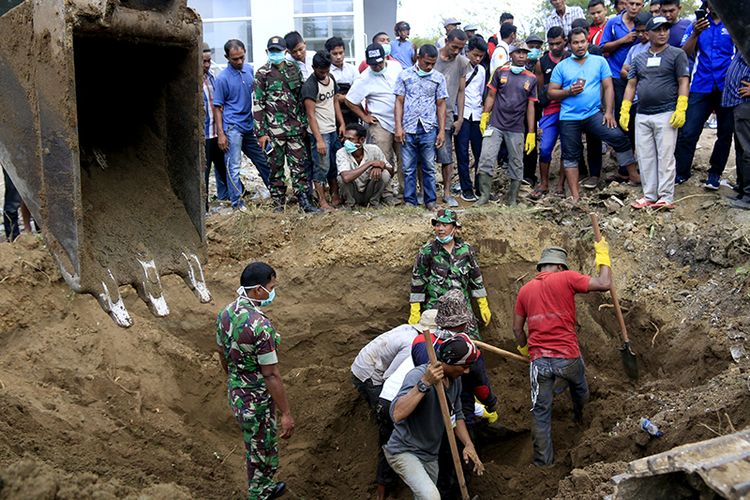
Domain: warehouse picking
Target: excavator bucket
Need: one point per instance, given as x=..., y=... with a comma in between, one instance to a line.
x=101, y=132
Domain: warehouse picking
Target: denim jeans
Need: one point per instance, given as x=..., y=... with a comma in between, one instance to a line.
x=700, y=106
x=419, y=148
x=215, y=157
x=419, y=476
x=239, y=143
x=325, y=168
x=572, y=145
x=543, y=372
x=11, y=204
x=469, y=135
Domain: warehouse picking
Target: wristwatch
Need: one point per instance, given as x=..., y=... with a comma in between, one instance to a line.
x=422, y=387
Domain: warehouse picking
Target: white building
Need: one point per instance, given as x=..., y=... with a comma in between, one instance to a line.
x=255, y=21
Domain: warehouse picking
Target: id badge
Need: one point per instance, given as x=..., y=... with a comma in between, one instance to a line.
x=653, y=62
x=488, y=132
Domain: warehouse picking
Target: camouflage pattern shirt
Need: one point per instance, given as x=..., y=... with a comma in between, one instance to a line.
x=248, y=340
x=437, y=271
x=277, y=108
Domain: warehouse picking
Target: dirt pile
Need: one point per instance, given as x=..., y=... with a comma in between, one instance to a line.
x=96, y=410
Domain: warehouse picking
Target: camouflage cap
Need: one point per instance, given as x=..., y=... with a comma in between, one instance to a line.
x=553, y=255
x=446, y=216
x=452, y=310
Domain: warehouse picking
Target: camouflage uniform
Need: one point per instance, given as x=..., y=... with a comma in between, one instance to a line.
x=278, y=113
x=248, y=341
x=436, y=272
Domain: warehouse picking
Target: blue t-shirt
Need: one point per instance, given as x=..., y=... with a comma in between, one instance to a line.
x=233, y=91
x=677, y=31
x=713, y=54
x=589, y=102
x=614, y=30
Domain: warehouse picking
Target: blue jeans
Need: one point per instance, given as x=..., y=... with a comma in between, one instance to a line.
x=325, y=168
x=700, y=106
x=239, y=143
x=419, y=148
x=468, y=135
x=543, y=372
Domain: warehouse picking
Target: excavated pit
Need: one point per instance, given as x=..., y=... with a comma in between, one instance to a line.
x=86, y=407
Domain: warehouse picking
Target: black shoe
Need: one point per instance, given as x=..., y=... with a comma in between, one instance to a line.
x=306, y=206
x=278, y=490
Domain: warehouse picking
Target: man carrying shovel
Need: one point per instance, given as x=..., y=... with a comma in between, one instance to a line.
x=548, y=303
x=413, y=448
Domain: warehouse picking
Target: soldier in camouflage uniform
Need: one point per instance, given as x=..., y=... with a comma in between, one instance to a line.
x=443, y=264
x=247, y=344
x=280, y=119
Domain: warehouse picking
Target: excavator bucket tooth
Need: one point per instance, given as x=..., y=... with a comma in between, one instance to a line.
x=102, y=134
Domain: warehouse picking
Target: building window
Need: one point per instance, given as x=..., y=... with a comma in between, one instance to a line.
x=319, y=20
x=224, y=20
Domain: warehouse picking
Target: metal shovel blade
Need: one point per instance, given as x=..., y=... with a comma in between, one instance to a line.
x=629, y=361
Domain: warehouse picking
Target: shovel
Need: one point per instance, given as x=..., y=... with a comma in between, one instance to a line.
x=629, y=360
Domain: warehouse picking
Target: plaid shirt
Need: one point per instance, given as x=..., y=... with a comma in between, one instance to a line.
x=572, y=12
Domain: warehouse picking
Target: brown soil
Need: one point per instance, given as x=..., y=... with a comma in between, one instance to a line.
x=90, y=410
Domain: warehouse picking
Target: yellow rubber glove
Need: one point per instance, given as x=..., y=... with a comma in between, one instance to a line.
x=414, y=313
x=625, y=115
x=491, y=417
x=484, y=121
x=523, y=350
x=484, y=310
x=530, y=142
x=602, y=253
x=678, y=117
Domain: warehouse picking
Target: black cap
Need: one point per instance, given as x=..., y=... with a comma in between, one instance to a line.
x=641, y=19
x=534, y=38
x=657, y=21
x=375, y=54
x=276, y=43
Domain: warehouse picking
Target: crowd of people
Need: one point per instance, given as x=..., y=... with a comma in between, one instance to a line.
x=642, y=82
x=396, y=377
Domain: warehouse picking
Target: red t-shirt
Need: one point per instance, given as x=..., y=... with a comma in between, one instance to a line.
x=595, y=34
x=548, y=304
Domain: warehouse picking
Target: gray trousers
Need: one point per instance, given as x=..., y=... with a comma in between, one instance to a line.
x=491, y=146
x=372, y=194
x=655, y=142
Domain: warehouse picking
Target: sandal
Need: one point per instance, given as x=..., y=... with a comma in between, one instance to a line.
x=538, y=193
x=560, y=194
x=617, y=178
x=642, y=203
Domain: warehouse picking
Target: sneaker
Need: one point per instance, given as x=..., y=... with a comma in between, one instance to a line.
x=642, y=203
x=456, y=188
x=431, y=206
x=468, y=196
x=743, y=203
x=591, y=183
x=242, y=208
x=450, y=201
x=680, y=179
x=712, y=182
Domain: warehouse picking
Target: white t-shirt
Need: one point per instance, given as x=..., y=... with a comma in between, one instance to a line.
x=500, y=57
x=389, y=348
x=347, y=73
x=376, y=93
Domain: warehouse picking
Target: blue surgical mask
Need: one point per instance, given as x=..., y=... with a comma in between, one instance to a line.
x=517, y=70
x=275, y=57
x=444, y=239
x=422, y=73
x=350, y=146
x=581, y=57
x=386, y=48
x=377, y=72
x=262, y=303
x=535, y=54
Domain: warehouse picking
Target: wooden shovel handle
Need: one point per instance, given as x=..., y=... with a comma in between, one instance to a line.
x=612, y=289
x=501, y=352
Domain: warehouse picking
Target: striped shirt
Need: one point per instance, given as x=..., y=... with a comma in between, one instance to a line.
x=572, y=12
x=737, y=72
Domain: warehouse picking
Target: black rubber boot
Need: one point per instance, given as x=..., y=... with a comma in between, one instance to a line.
x=513, y=193
x=306, y=206
x=485, y=186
